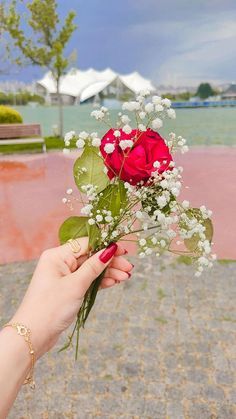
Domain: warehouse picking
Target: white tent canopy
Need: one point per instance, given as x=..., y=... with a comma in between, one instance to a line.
x=88, y=83
x=136, y=83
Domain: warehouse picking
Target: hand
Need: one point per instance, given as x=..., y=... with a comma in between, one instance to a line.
x=57, y=288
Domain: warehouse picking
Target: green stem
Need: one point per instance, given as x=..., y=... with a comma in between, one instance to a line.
x=88, y=302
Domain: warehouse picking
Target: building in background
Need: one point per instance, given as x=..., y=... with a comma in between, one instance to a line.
x=230, y=93
x=79, y=86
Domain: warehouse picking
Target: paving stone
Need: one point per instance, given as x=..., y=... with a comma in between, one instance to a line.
x=211, y=392
x=226, y=411
x=175, y=410
x=199, y=411
x=142, y=356
x=155, y=409
x=197, y=376
x=223, y=377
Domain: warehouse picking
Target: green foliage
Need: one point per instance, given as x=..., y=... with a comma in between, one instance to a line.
x=44, y=41
x=94, y=166
x=20, y=98
x=9, y=116
x=226, y=261
x=125, y=97
x=205, y=90
x=183, y=96
x=186, y=260
x=161, y=320
x=113, y=198
x=72, y=228
x=150, y=201
x=161, y=293
x=52, y=143
x=192, y=243
x=94, y=235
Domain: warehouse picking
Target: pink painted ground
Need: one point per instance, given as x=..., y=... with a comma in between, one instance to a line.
x=32, y=186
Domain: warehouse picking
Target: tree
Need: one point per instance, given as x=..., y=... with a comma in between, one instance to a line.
x=205, y=90
x=43, y=43
x=4, y=48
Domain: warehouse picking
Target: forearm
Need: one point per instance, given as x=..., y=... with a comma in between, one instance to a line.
x=14, y=366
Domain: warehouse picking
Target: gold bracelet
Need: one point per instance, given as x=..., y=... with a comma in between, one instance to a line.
x=25, y=332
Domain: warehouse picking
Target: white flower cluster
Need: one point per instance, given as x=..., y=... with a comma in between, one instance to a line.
x=192, y=227
x=109, y=148
x=125, y=144
x=167, y=219
x=69, y=199
x=68, y=137
x=148, y=114
x=90, y=190
x=177, y=143
x=100, y=114
x=81, y=139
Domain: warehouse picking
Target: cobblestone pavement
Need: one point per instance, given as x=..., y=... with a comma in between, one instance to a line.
x=161, y=346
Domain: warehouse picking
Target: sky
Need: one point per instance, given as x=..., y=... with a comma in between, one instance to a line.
x=172, y=42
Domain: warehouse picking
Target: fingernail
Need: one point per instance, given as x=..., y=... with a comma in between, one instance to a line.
x=132, y=265
x=129, y=274
x=108, y=253
x=126, y=251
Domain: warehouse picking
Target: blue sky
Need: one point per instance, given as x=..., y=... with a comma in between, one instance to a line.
x=178, y=42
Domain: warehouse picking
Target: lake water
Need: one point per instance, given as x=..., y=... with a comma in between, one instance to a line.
x=199, y=126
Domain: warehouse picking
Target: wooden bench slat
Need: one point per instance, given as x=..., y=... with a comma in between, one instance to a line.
x=19, y=130
x=21, y=134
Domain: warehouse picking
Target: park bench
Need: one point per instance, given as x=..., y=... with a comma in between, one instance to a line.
x=21, y=134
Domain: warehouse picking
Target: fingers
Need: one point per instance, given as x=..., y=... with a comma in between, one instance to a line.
x=120, y=250
x=66, y=249
x=119, y=262
x=93, y=267
x=118, y=271
x=108, y=282
x=71, y=259
x=116, y=274
x=62, y=260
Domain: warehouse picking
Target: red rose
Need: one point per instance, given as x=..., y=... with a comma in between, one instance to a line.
x=135, y=164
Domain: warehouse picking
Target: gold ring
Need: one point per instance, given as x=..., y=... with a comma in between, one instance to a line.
x=74, y=245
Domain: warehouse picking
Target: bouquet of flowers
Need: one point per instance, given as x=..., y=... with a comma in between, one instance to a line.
x=129, y=187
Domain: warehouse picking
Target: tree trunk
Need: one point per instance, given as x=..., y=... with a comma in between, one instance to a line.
x=60, y=110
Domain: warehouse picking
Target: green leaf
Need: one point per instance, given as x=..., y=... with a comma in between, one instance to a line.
x=94, y=236
x=192, y=243
x=150, y=205
x=94, y=174
x=113, y=198
x=72, y=228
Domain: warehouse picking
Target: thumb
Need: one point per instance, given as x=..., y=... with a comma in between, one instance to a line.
x=93, y=267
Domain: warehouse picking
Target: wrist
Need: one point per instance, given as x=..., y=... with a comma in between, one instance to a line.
x=16, y=349
x=37, y=334
x=15, y=365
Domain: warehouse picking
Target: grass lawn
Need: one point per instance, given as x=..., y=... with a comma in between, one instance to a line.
x=52, y=143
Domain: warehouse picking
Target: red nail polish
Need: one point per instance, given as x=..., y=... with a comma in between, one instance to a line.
x=126, y=251
x=108, y=253
x=129, y=274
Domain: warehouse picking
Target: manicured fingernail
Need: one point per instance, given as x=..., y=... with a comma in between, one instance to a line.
x=132, y=265
x=126, y=251
x=108, y=253
x=129, y=274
